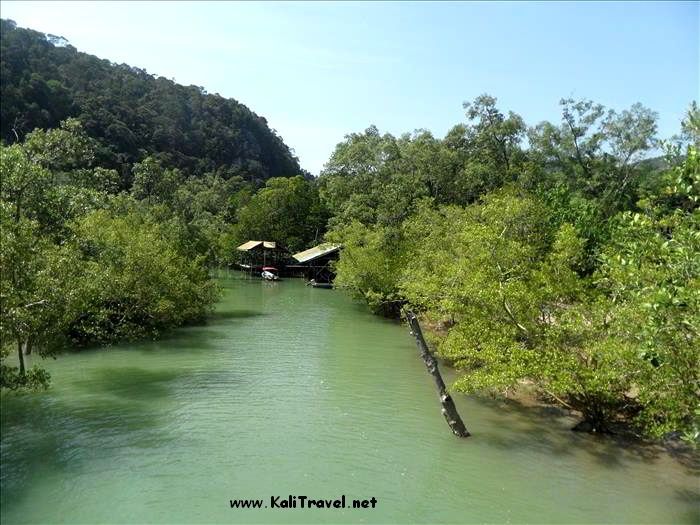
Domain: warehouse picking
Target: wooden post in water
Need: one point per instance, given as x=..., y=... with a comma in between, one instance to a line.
x=449, y=410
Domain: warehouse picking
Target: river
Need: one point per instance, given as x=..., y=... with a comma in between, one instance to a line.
x=301, y=391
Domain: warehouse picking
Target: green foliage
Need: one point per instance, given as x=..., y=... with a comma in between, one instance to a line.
x=286, y=210
x=49, y=179
x=132, y=114
x=651, y=272
x=81, y=266
x=690, y=126
x=153, y=183
x=572, y=266
x=353, y=181
x=583, y=365
x=371, y=264
x=36, y=284
x=136, y=282
x=23, y=183
x=594, y=152
x=516, y=309
x=493, y=142
x=35, y=378
x=61, y=150
x=378, y=179
x=475, y=258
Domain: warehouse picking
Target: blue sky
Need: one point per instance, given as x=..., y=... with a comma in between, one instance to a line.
x=318, y=71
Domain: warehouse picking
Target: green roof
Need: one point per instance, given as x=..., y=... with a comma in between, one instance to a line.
x=316, y=252
x=246, y=246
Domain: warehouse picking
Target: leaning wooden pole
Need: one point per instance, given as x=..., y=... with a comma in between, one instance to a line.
x=449, y=410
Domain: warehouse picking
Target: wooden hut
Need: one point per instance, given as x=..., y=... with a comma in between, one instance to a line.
x=316, y=262
x=258, y=254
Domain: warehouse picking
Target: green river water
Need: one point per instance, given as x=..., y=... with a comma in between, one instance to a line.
x=294, y=390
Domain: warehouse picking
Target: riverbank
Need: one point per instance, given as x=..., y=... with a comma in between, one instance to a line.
x=526, y=393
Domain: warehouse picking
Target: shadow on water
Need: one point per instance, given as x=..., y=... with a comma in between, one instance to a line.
x=113, y=403
x=130, y=382
x=687, y=457
x=692, y=499
x=60, y=437
x=225, y=315
x=547, y=430
x=190, y=341
x=194, y=339
x=187, y=337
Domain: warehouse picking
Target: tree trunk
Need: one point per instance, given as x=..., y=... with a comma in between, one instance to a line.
x=28, y=344
x=21, y=357
x=449, y=411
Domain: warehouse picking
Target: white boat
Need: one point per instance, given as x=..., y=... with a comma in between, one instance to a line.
x=314, y=284
x=269, y=273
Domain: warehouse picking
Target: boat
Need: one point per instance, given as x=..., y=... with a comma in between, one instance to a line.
x=314, y=284
x=269, y=273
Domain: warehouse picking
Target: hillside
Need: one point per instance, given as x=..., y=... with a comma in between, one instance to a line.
x=131, y=113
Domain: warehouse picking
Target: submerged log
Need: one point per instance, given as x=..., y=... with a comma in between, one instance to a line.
x=449, y=410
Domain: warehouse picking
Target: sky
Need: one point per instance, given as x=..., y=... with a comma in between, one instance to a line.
x=320, y=70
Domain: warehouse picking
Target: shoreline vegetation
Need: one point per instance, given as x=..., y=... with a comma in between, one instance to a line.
x=561, y=256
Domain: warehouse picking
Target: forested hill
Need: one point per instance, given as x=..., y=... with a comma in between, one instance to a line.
x=132, y=113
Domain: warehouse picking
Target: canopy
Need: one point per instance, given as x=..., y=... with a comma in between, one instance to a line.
x=247, y=246
x=316, y=252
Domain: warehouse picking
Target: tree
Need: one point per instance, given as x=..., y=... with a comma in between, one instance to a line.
x=508, y=291
x=370, y=264
x=588, y=168
x=37, y=295
x=594, y=151
x=353, y=179
x=23, y=183
x=494, y=139
x=136, y=283
x=154, y=183
x=690, y=126
x=78, y=265
x=505, y=288
x=651, y=272
x=286, y=210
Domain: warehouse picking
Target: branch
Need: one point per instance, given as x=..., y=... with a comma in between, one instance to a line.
x=578, y=151
x=567, y=405
x=512, y=317
x=506, y=306
x=37, y=303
